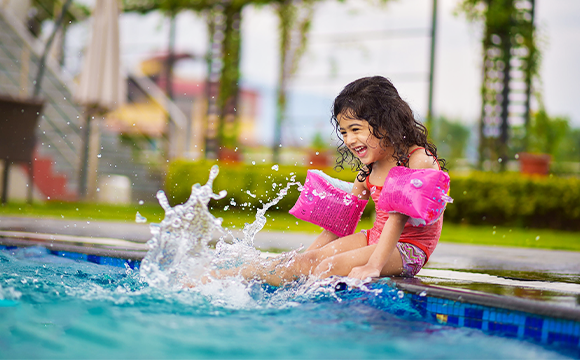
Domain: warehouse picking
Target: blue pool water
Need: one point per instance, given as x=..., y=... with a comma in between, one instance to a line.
x=53, y=307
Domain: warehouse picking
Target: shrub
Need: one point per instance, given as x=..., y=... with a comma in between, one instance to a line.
x=239, y=179
x=512, y=199
x=509, y=199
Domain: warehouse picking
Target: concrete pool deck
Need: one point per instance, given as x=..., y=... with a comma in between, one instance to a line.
x=543, y=275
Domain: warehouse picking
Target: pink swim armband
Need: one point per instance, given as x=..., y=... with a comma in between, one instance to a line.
x=419, y=193
x=328, y=203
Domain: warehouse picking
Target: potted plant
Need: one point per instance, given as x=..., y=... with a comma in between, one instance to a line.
x=545, y=136
x=318, y=153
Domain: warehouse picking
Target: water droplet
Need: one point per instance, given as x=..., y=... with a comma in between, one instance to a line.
x=416, y=183
x=141, y=202
x=275, y=167
x=400, y=294
x=99, y=156
x=537, y=237
x=140, y=219
x=423, y=293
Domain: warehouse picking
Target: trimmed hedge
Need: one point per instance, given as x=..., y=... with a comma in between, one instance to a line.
x=508, y=199
x=238, y=179
x=512, y=199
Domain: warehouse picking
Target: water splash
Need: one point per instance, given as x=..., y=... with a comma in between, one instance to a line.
x=179, y=244
x=179, y=254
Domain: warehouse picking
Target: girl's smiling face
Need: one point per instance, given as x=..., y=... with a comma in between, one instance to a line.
x=358, y=138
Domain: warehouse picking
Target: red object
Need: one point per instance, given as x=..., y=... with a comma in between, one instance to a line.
x=318, y=161
x=50, y=183
x=230, y=156
x=534, y=164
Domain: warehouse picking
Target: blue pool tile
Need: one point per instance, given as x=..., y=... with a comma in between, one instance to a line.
x=473, y=323
x=534, y=322
x=474, y=313
x=485, y=325
x=562, y=339
x=94, y=259
x=72, y=255
x=505, y=329
x=453, y=320
x=105, y=260
x=473, y=318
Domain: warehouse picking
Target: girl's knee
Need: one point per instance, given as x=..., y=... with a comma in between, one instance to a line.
x=307, y=261
x=323, y=269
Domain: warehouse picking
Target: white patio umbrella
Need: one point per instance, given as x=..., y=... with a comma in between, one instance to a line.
x=101, y=84
x=101, y=87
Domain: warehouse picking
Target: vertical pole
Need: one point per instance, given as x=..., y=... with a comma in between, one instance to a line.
x=30, y=182
x=504, y=136
x=527, y=120
x=5, y=180
x=214, y=65
x=85, y=156
x=170, y=58
x=172, y=145
x=430, y=120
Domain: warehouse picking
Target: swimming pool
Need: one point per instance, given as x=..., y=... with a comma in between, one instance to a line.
x=69, y=299
x=54, y=306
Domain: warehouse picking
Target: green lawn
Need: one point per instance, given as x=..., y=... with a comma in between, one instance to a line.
x=480, y=235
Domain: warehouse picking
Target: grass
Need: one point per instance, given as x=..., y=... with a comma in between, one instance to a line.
x=476, y=235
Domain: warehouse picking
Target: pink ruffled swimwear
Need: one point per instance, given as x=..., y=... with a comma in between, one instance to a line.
x=416, y=244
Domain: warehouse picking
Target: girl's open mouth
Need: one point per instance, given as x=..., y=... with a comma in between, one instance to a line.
x=360, y=151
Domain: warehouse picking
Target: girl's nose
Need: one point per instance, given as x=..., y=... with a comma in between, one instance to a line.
x=348, y=140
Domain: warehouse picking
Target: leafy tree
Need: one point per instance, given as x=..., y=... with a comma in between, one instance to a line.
x=547, y=133
x=452, y=139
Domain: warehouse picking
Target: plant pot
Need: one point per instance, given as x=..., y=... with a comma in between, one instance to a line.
x=318, y=160
x=230, y=156
x=534, y=164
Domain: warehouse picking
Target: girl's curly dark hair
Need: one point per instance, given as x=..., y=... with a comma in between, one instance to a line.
x=377, y=101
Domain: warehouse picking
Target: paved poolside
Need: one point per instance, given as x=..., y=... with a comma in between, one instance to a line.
x=547, y=275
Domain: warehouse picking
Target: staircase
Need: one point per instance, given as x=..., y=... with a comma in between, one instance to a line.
x=58, y=134
x=59, y=147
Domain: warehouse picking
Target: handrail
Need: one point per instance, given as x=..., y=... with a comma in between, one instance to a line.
x=150, y=88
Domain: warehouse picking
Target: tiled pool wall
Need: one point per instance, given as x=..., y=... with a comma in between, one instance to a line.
x=96, y=259
x=505, y=322
x=494, y=320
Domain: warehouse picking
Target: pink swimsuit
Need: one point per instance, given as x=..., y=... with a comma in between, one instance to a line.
x=425, y=237
x=415, y=244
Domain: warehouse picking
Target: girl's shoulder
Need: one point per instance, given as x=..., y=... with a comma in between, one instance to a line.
x=421, y=159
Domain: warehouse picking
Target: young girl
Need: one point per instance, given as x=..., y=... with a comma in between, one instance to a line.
x=378, y=131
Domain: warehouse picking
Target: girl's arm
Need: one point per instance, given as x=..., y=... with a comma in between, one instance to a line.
x=358, y=189
x=387, y=244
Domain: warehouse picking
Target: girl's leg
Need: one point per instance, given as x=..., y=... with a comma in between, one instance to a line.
x=281, y=271
x=341, y=264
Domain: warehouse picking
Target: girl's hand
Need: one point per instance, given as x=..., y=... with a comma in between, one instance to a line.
x=363, y=272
